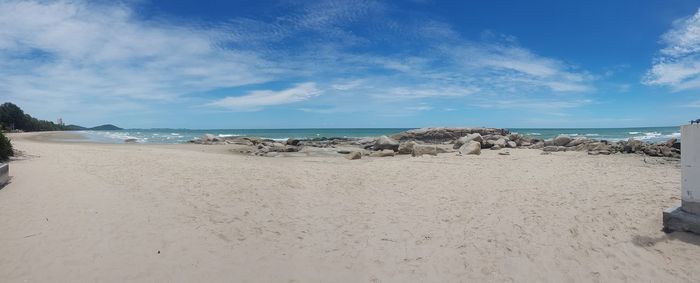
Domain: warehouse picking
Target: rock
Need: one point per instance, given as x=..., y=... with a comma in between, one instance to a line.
x=466, y=139
x=575, y=142
x=131, y=140
x=210, y=138
x=354, y=155
x=422, y=149
x=294, y=142
x=383, y=153
x=472, y=147
x=501, y=142
x=525, y=144
x=406, y=147
x=496, y=147
x=504, y=153
x=475, y=137
x=459, y=142
x=439, y=135
x=561, y=140
x=652, y=151
x=673, y=143
x=385, y=142
x=511, y=144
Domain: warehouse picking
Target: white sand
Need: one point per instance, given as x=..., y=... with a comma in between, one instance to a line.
x=90, y=212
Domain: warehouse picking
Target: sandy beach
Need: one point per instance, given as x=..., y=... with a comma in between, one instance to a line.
x=84, y=212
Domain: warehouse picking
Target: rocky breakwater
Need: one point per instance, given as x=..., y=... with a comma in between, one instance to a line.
x=670, y=148
x=433, y=141
x=442, y=135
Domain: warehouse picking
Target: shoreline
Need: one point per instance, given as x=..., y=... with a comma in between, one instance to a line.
x=174, y=136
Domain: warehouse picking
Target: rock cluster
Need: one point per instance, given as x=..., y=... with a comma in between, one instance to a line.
x=440, y=135
x=432, y=141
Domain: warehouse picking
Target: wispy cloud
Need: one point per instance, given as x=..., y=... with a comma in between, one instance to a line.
x=255, y=100
x=85, y=51
x=678, y=65
x=361, y=54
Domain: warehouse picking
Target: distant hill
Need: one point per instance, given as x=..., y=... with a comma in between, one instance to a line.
x=75, y=128
x=106, y=127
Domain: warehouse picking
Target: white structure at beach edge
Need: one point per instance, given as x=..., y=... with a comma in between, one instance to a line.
x=686, y=217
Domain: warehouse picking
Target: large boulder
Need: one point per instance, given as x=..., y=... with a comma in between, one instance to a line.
x=633, y=146
x=673, y=143
x=511, y=144
x=385, y=142
x=466, y=139
x=406, y=147
x=422, y=149
x=501, y=142
x=472, y=147
x=561, y=140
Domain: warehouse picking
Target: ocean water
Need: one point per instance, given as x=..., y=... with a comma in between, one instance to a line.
x=174, y=136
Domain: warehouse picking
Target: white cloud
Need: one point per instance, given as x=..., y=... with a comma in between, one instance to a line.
x=255, y=100
x=678, y=66
x=75, y=49
x=79, y=54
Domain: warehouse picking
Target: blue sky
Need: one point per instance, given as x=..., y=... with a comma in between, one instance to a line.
x=296, y=64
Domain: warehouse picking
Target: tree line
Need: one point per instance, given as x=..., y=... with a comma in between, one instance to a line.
x=13, y=118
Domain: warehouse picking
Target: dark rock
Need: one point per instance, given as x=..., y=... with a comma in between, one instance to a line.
x=385, y=142
x=561, y=140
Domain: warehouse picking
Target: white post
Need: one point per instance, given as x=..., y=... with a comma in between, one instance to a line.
x=690, y=168
x=686, y=217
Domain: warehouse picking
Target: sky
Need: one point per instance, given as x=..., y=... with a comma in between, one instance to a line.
x=353, y=63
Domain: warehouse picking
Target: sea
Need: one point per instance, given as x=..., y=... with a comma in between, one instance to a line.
x=175, y=136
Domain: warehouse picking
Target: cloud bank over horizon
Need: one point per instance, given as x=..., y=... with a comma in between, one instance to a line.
x=95, y=60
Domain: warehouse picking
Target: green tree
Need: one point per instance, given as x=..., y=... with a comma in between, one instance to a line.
x=5, y=148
